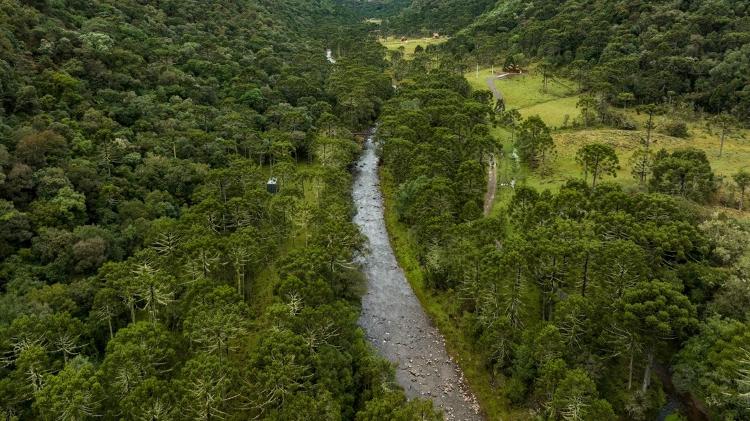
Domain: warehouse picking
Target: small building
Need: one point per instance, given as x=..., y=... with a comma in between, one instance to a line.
x=272, y=186
x=435, y=35
x=512, y=68
x=403, y=39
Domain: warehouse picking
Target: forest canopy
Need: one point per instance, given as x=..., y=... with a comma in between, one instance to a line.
x=146, y=272
x=176, y=217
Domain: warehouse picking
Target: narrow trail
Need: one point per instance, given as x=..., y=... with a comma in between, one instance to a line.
x=392, y=316
x=491, y=84
x=495, y=92
x=489, y=196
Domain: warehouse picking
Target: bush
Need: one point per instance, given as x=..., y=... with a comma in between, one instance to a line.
x=618, y=120
x=675, y=129
x=515, y=390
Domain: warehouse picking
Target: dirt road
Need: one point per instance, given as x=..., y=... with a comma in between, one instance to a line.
x=491, y=84
x=393, y=318
x=495, y=92
x=489, y=196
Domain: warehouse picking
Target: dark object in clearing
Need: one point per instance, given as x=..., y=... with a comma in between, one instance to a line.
x=436, y=35
x=512, y=68
x=272, y=186
x=403, y=39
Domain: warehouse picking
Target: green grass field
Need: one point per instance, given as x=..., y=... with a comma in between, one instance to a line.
x=736, y=157
x=525, y=94
x=394, y=43
x=525, y=90
x=556, y=113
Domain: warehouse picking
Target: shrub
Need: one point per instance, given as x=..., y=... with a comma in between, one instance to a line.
x=675, y=129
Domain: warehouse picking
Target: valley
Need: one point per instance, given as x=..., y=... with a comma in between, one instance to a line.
x=374, y=210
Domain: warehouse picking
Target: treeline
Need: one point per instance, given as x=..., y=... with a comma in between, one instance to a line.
x=582, y=301
x=659, y=51
x=145, y=271
x=375, y=9
x=423, y=17
x=436, y=144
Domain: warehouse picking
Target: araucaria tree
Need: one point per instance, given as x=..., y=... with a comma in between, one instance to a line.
x=598, y=160
x=742, y=179
x=684, y=172
x=534, y=141
x=641, y=163
x=658, y=312
x=725, y=123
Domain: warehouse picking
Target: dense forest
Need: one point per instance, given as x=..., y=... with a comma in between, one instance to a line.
x=176, y=214
x=579, y=299
x=376, y=9
x=596, y=298
x=146, y=272
x=657, y=50
x=446, y=16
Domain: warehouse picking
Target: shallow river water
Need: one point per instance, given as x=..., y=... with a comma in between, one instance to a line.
x=393, y=318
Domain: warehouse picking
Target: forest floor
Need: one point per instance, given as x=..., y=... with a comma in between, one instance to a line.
x=392, y=316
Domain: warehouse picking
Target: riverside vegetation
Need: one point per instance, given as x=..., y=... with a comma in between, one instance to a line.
x=147, y=273
x=603, y=286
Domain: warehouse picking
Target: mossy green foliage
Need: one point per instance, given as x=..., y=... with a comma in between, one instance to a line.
x=145, y=270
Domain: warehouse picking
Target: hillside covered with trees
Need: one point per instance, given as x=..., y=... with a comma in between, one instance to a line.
x=657, y=50
x=428, y=16
x=176, y=213
x=146, y=273
x=607, y=282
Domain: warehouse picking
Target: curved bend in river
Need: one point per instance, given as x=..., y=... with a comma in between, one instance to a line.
x=392, y=317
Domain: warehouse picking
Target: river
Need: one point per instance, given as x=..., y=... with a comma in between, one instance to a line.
x=393, y=318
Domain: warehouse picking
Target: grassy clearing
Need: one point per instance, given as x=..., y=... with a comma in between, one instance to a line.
x=526, y=93
x=736, y=156
x=555, y=113
x=525, y=90
x=444, y=311
x=557, y=106
x=395, y=43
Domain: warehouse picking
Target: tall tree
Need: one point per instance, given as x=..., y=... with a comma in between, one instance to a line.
x=74, y=393
x=534, y=141
x=725, y=123
x=641, y=163
x=742, y=179
x=650, y=110
x=659, y=313
x=684, y=172
x=207, y=384
x=598, y=159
